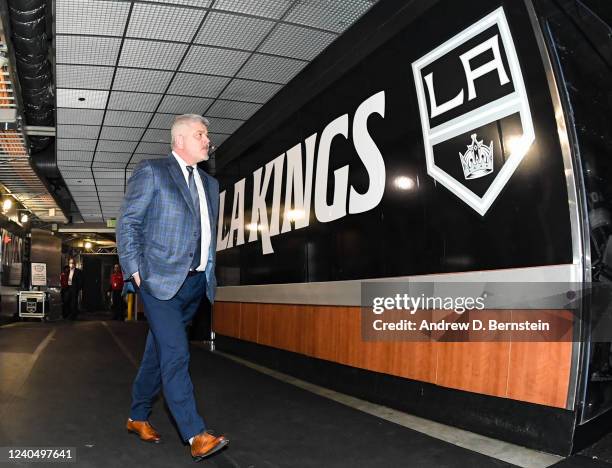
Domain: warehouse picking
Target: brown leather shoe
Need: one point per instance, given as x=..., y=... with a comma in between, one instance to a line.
x=205, y=444
x=144, y=430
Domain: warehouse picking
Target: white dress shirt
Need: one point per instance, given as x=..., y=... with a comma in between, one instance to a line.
x=205, y=225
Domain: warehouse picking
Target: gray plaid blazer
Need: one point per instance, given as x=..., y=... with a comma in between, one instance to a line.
x=157, y=225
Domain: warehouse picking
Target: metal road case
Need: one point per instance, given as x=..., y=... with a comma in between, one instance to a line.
x=32, y=304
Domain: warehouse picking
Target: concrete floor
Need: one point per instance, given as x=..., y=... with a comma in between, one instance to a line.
x=67, y=384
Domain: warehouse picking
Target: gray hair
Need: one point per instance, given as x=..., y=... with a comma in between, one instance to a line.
x=183, y=119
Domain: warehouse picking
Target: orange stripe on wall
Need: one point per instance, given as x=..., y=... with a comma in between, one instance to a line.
x=532, y=372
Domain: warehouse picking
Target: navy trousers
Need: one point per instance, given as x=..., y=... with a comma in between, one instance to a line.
x=166, y=357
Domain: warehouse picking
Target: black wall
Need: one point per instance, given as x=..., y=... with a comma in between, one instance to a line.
x=427, y=229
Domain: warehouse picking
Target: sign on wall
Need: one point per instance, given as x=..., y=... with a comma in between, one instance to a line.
x=39, y=274
x=437, y=153
x=490, y=93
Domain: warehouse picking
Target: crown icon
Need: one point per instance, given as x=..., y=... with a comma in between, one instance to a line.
x=477, y=160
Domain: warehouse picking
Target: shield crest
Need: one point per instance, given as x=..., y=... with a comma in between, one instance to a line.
x=475, y=116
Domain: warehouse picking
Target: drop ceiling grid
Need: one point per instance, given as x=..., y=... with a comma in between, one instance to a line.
x=223, y=60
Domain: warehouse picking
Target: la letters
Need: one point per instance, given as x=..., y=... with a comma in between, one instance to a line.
x=298, y=190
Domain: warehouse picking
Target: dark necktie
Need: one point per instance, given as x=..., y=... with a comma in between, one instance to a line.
x=196, y=204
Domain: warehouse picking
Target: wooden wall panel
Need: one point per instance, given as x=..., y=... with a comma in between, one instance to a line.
x=533, y=372
x=226, y=319
x=413, y=360
x=248, y=321
x=329, y=341
x=480, y=367
x=294, y=328
x=539, y=372
x=267, y=320
x=288, y=327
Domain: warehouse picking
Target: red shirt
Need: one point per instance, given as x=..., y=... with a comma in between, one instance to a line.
x=116, y=282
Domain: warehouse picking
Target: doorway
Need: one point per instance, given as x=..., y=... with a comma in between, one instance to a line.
x=97, y=270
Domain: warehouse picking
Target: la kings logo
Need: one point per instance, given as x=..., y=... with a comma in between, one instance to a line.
x=471, y=95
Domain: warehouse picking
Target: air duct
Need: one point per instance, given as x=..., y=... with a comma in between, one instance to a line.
x=31, y=45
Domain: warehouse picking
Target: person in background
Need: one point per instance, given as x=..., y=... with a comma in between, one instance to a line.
x=75, y=284
x=64, y=288
x=116, y=287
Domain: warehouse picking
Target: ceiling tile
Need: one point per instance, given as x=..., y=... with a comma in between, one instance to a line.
x=75, y=144
x=107, y=175
x=121, y=100
x=219, y=125
x=184, y=105
x=87, y=192
x=194, y=3
x=141, y=157
x=109, y=164
x=164, y=22
x=91, y=17
x=163, y=121
x=268, y=8
x=213, y=61
x=103, y=157
x=111, y=188
x=253, y=91
x=117, y=146
x=153, y=148
x=121, y=133
x=188, y=84
x=76, y=175
x=65, y=164
x=138, y=79
x=151, y=54
x=80, y=116
x=327, y=14
x=78, y=131
x=237, y=32
x=297, y=42
x=233, y=110
x=87, y=50
x=84, y=181
x=70, y=157
x=81, y=98
x=156, y=135
x=127, y=119
x=83, y=76
x=268, y=68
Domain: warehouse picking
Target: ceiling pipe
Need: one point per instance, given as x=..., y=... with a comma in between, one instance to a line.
x=31, y=45
x=29, y=37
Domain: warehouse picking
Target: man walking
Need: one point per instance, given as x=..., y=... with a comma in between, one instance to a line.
x=75, y=284
x=166, y=243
